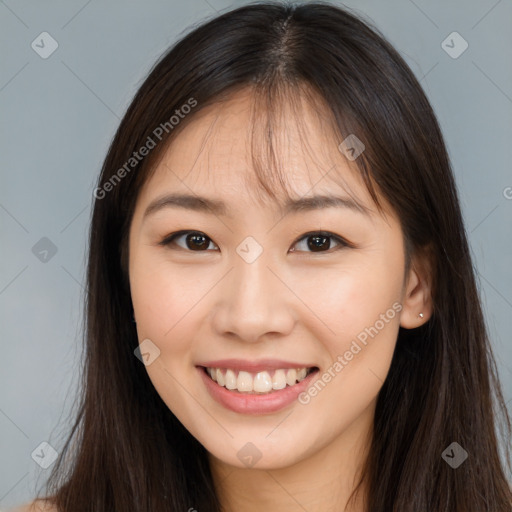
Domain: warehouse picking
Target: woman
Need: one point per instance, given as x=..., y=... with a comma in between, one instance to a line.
x=282, y=311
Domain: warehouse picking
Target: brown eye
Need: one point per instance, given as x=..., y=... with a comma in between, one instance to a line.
x=320, y=242
x=196, y=241
x=193, y=240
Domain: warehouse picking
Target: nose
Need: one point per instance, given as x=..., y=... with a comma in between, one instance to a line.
x=253, y=302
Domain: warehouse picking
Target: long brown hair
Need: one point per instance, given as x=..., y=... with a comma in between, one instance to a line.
x=126, y=450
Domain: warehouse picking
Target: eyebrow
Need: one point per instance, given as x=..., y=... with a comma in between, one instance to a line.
x=219, y=208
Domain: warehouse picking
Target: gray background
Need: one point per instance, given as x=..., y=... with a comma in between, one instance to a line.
x=58, y=117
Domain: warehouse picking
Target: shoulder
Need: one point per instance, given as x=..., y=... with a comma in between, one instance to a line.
x=35, y=506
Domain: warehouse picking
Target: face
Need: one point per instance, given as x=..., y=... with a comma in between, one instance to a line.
x=264, y=293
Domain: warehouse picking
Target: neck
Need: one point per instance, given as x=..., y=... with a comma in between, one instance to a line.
x=321, y=481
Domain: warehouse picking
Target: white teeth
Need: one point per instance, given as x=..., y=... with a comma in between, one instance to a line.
x=244, y=381
x=291, y=377
x=301, y=374
x=230, y=379
x=261, y=382
x=279, y=380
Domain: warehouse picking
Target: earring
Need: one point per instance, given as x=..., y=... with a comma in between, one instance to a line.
x=421, y=315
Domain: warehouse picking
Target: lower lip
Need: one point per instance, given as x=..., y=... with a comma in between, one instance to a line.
x=255, y=404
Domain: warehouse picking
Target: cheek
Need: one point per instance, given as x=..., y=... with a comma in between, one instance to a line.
x=162, y=300
x=351, y=298
x=360, y=305
x=363, y=320
x=163, y=303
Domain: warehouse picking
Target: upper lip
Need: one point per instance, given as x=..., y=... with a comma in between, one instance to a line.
x=259, y=365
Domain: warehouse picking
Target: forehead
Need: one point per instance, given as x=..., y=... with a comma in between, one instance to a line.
x=222, y=149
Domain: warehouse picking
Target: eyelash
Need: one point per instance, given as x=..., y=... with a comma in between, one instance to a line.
x=169, y=239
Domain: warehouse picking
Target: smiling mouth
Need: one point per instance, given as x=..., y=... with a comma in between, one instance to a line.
x=257, y=383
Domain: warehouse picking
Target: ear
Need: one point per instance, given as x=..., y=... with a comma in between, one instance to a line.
x=417, y=295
